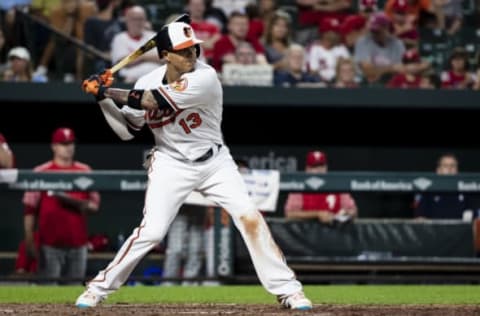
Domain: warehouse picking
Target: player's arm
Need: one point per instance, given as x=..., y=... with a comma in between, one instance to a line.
x=294, y=209
x=31, y=201
x=322, y=216
x=198, y=92
x=84, y=206
x=137, y=98
x=125, y=122
x=301, y=214
x=76, y=205
x=29, y=227
x=99, y=87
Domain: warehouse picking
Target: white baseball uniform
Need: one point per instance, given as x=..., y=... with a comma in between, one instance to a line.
x=190, y=155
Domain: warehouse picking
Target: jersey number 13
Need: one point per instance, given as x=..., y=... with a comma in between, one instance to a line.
x=193, y=120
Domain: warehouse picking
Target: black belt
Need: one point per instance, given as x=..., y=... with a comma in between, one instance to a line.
x=207, y=155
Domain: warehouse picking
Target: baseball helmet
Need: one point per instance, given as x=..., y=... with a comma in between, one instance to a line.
x=177, y=35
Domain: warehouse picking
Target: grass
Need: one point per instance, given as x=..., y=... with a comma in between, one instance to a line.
x=329, y=294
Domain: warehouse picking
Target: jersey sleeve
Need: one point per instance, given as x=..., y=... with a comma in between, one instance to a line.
x=193, y=90
x=135, y=118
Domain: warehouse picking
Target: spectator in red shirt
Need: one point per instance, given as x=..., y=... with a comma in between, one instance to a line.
x=224, y=49
x=208, y=32
x=61, y=217
x=458, y=75
x=414, y=78
x=6, y=155
x=326, y=207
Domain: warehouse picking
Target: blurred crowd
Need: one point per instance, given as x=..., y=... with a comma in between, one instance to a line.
x=307, y=43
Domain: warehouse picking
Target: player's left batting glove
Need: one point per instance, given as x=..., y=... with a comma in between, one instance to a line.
x=94, y=85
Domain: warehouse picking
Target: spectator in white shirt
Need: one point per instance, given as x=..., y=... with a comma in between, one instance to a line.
x=128, y=41
x=323, y=55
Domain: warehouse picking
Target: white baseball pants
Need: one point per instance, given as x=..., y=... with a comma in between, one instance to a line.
x=170, y=182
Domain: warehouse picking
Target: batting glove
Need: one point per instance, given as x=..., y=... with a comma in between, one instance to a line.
x=94, y=85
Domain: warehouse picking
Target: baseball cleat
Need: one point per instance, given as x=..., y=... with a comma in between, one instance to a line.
x=88, y=299
x=296, y=301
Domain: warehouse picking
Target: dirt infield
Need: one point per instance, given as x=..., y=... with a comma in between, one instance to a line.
x=236, y=309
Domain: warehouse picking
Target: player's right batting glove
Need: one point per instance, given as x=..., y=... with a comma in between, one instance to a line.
x=94, y=85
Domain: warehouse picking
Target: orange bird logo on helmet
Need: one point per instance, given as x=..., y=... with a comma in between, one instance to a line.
x=187, y=31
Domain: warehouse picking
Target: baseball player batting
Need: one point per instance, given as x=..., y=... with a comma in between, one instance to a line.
x=181, y=102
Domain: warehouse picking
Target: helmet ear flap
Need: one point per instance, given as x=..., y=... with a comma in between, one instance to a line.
x=162, y=41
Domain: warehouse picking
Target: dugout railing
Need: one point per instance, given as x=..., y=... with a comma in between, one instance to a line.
x=367, y=250
x=335, y=181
